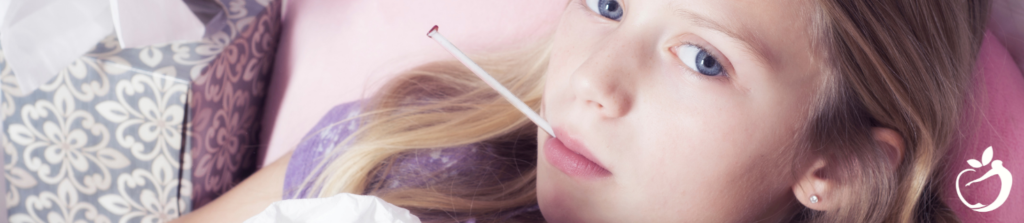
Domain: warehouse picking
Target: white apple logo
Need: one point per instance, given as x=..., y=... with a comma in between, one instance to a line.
x=997, y=170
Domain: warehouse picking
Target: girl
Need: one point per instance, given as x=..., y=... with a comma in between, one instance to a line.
x=665, y=111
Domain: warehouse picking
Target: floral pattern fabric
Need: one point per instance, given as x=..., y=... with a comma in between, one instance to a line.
x=109, y=140
x=227, y=108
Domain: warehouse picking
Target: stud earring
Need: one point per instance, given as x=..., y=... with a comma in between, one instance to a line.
x=814, y=199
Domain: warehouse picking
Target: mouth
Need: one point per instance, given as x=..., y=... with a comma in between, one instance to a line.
x=572, y=157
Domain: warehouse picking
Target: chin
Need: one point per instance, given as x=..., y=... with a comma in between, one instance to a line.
x=555, y=211
x=555, y=205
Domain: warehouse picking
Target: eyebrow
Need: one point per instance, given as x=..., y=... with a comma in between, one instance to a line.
x=748, y=40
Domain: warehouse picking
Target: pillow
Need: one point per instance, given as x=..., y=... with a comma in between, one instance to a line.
x=984, y=175
x=333, y=52
x=1005, y=23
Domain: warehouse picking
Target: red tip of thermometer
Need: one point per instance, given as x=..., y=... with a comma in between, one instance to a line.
x=431, y=30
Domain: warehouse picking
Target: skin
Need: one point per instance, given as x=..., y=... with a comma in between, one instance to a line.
x=246, y=199
x=681, y=146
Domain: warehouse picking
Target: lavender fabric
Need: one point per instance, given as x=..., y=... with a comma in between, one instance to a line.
x=414, y=169
x=318, y=142
x=410, y=170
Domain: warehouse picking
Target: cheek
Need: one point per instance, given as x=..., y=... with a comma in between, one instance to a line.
x=726, y=159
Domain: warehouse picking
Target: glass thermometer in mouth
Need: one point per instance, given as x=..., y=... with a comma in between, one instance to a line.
x=533, y=116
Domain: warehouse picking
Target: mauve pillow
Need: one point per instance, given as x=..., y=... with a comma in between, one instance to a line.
x=994, y=119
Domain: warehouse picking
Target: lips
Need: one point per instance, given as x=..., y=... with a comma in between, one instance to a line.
x=571, y=157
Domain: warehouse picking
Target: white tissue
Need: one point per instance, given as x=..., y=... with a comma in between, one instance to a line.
x=147, y=22
x=41, y=37
x=341, y=208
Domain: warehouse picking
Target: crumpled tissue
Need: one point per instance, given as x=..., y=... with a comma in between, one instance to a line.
x=341, y=208
x=41, y=37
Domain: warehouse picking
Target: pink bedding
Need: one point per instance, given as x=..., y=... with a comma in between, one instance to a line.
x=990, y=141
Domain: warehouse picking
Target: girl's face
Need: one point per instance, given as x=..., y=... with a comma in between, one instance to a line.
x=675, y=110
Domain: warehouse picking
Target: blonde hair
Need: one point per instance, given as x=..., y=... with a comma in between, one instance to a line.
x=899, y=64
x=440, y=105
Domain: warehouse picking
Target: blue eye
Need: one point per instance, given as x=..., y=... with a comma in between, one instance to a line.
x=610, y=9
x=699, y=60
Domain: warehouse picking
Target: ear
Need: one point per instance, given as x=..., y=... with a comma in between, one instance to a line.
x=892, y=142
x=812, y=183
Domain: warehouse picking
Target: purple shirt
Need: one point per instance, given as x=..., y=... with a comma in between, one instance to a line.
x=417, y=168
x=319, y=141
x=410, y=170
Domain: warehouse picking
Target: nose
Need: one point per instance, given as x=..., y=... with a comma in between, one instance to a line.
x=606, y=81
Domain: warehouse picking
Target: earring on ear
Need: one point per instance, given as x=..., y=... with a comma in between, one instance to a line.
x=814, y=199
